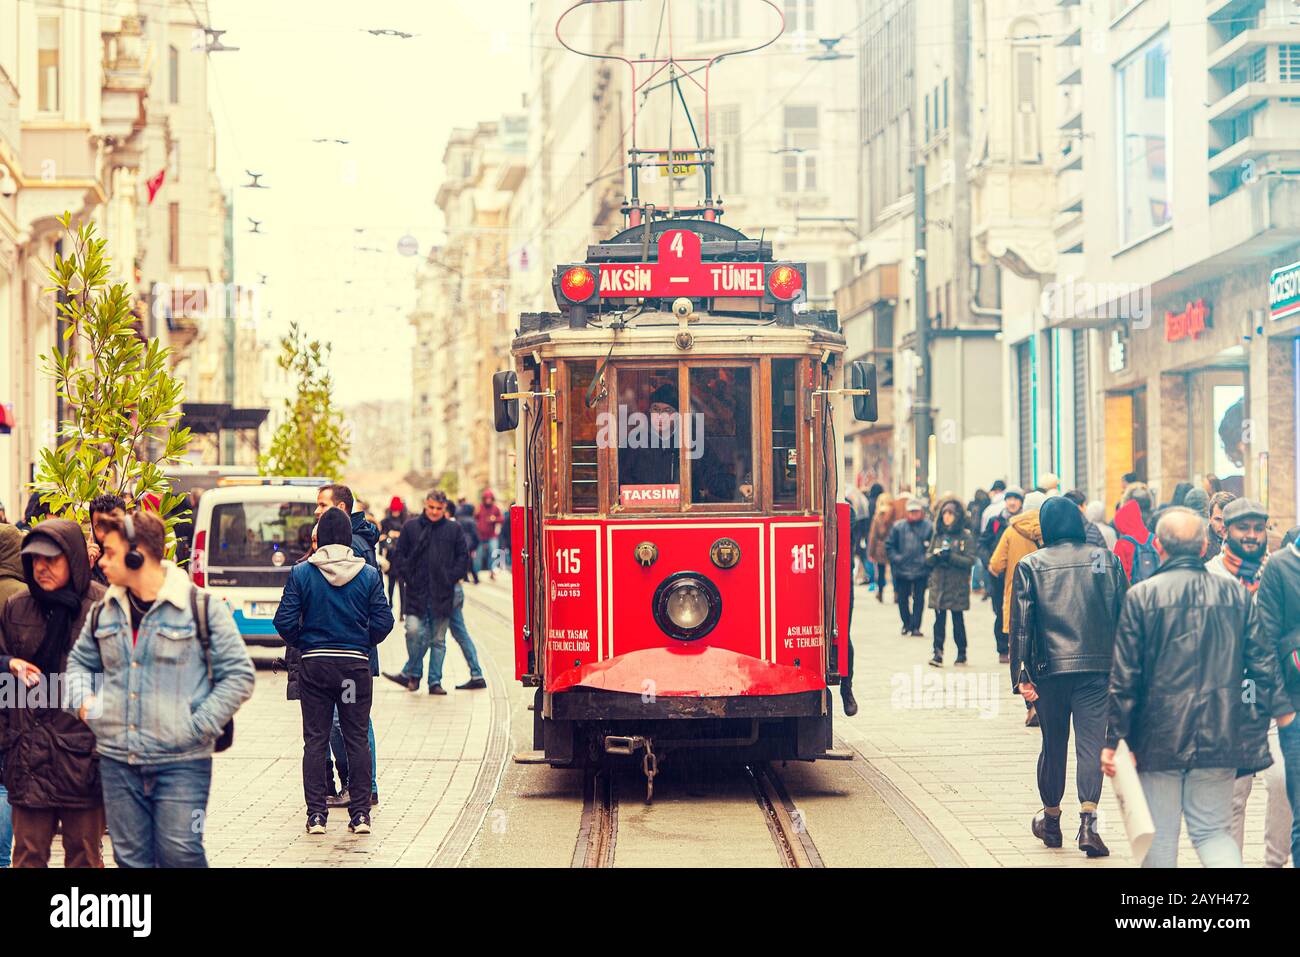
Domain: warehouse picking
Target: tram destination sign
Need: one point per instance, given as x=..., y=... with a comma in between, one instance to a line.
x=1284, y=291
x=679, y=271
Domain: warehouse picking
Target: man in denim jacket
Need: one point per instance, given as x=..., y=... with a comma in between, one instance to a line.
x=155, y=714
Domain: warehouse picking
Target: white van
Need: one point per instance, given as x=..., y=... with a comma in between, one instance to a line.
x=248, y=534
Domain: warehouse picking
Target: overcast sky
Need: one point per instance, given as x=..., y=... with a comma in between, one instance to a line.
x=307, y=69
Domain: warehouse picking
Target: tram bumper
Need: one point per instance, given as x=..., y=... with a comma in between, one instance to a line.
x=707, y=698
x=689, y=672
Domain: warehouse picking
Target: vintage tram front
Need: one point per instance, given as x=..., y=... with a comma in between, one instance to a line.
x=681, y=565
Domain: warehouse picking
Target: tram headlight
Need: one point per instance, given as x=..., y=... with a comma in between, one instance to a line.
x=578, y=284
x=687, y=606
x=784, y=283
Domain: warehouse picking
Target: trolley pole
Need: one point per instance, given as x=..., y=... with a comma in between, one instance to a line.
x=922, y=417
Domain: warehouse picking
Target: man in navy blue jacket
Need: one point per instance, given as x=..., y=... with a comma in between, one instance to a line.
x=365, y=535
x=334, y=611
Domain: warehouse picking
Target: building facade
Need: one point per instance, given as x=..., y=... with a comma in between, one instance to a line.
x=1189, y=217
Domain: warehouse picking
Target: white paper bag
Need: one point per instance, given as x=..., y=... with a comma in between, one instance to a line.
x=1132, y=803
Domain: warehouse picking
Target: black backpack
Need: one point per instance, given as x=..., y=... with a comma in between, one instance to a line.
x=199, y=609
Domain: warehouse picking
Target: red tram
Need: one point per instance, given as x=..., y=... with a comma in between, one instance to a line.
x=681, y=564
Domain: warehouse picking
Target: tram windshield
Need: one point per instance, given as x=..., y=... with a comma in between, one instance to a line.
x=658, y=440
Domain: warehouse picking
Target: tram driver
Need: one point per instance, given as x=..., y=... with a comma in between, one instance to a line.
x=659, y=462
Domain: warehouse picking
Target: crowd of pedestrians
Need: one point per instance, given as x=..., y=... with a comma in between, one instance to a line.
x=1171, y=627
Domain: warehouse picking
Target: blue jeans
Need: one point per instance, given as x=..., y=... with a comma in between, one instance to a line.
x=484, y=554
x=424, y=632
x=6, y=828
x=1288, y=739
x=156, y=814
x=1204, y=797
x=340, y=753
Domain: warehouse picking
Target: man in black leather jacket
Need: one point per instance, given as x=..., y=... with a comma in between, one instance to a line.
x=1186, y=637
x=1065, y=605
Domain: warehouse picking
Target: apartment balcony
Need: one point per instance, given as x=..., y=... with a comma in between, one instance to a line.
x=1248, y=96
x=1070, y=60
x=125, y=86
x=1247, y=44
x=1284, y=150
x=1231, y=9
x=1068, y=225
x=1255, y=222
x=1070, y=158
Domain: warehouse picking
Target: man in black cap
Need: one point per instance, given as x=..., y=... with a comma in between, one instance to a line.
x=1245, y=543
x=659, y=462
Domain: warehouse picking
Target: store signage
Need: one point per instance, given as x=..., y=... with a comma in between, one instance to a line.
x=1191, y=323
x=1117, y=354
x=1284, y=291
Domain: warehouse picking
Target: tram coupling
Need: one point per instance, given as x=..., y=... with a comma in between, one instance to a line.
x=628, y=746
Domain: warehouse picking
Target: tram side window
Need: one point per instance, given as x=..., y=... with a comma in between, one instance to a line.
x=785, y=433
x=721, y=434
x=644, y=428
x=583, y=465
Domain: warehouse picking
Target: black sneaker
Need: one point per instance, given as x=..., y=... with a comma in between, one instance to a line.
x=961, y=660
x=315, y=823
x=374, y=798
x=936, y=661
x=406, y=681
x=360, y=823
x=472, y=684
x=342, y=799
x=437, y=689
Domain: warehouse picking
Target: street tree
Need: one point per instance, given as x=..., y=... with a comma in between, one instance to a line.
x=120, y=399
x=312, y=439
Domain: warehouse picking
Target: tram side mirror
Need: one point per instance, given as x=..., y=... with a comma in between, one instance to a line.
x=505, y=412
x=862, y=375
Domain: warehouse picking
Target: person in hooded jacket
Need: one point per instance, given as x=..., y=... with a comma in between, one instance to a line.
x=487, y=520
x=390, y=529
x=365, y=540
x=11, y=583
x=51, y=769
x=464, y=518
x=950, y=556
x=334, y=611
x=1022, y=537
x=1131, y=527
x=881, y=523
x=1065, y=605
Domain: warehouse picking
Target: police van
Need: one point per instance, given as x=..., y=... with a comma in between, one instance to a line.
x=248, y=534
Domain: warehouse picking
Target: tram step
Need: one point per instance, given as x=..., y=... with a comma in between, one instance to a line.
x=529, y=757
x=837, y=755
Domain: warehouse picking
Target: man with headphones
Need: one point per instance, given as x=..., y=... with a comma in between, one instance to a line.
x=156, y=695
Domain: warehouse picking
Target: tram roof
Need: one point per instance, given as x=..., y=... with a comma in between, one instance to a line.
x=653, y=333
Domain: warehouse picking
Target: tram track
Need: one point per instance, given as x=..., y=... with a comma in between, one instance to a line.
x=598, y=830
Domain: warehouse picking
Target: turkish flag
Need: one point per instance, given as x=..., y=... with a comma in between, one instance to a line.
x=155, y=183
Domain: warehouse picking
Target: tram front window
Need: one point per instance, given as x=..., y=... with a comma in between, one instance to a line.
x=584, y=494
x=722, y=434
x=648, y=438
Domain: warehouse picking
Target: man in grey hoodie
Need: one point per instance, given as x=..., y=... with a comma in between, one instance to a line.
x=334, y=611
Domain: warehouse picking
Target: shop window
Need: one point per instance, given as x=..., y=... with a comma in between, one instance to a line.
x=1144, y=140
x=785, y=431
x=584, y=488
x=720, y=435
